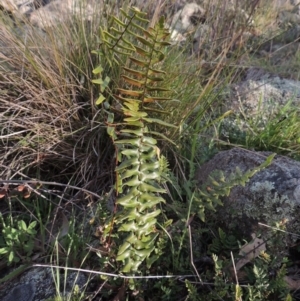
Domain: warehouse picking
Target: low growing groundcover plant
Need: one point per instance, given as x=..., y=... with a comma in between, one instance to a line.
x=101, y=133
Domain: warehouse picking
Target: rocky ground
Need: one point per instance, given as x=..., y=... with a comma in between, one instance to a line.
x=259, y=89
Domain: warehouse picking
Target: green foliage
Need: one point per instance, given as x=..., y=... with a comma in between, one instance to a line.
x=218, y=186
x=260, y=287
x=192, y=291
x=223, y=242
x=279, y=285
x=221, y=287
x=238, y=292
x=141, y=168
x=76, y=295
x=166, y=289
x=102, y=82
x=264, y=288
x=274, y=130
x=17, y=240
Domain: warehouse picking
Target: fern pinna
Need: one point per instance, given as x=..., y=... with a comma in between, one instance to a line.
x=139, y=170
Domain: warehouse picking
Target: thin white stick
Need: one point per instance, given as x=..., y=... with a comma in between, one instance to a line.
x=235, y=273
x=111, y=274
x=274, y=228
x=13, y=134
x=192, y=256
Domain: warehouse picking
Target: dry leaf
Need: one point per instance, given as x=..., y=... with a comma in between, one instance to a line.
x=291, y=283
x=158, y=152
x=24, y=190
x=62, y=231
x=250, y=251
x=121, y=294
x=241, y=263
x=3, y=191
x=241, y=275
x=26, y=193
x=99, y=231
x=189, y=221
x=21, y=188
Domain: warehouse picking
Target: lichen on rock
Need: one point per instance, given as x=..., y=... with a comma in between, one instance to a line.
x=271, y=195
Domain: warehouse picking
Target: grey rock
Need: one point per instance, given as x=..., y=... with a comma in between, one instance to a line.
x=282, y=3
x=186, y=20
x=289, y=14
x=201, y=38
x=265, y=90
x=167, y=8
x=270, y=196
x=22, y=292
x=287, y=18
x=39, y=284
x=17, y=7
x=60, y=11
x=259, y=97
x=200, y=22
x=295, y=2
x=280, y=41
x=23, y=7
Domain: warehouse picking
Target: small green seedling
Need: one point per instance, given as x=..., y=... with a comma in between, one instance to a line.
x=16, y=243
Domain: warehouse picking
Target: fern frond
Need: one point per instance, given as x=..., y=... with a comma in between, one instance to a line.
x=141, y=170
x=218, y=186
x=147, y=177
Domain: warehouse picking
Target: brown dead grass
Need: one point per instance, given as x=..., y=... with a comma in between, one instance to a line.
x=49, y=125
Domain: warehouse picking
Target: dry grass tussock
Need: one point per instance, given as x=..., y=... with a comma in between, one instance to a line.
x=49, y=125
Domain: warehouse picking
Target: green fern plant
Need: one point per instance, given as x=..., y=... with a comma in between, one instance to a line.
x=210, y=194
x=140, y=168
x=264, y=287
x=193, y=294
x=223, y=241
